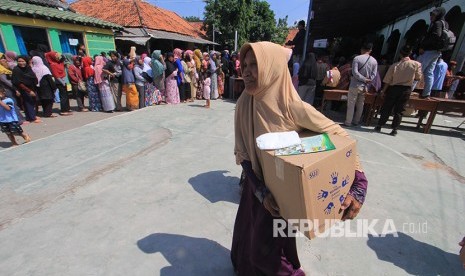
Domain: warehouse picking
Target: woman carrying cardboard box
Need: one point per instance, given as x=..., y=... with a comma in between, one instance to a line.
x=271, y=104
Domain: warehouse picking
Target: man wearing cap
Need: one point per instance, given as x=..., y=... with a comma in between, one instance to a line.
x=430, y=48
x=397, y=88
x=298, y=42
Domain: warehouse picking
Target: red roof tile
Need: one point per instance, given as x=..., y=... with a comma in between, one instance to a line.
x=198, y=26
x=292, y=33
x=135, y=13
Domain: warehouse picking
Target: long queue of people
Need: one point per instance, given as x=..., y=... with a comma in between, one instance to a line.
x=175, y=77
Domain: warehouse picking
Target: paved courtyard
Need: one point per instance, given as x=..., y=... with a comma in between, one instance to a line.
x=155, y=192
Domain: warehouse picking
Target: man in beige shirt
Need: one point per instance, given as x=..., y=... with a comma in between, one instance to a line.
x=397, y=88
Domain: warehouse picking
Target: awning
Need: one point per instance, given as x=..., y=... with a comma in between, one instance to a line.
x=136, y=35
x=157, y=34
x=141, y=35
x=333, y=18
x=137, y=40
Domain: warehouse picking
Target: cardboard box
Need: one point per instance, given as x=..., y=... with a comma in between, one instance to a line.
x=312, y=186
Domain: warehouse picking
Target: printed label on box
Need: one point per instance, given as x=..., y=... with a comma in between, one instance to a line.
x=279, y=164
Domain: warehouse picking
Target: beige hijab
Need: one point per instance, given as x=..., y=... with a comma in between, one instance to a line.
x=273, y=106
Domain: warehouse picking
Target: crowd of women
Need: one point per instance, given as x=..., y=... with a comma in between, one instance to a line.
x=175, y=77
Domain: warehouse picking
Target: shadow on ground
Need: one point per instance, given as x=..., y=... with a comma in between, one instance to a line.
x=197, y=105
x=217, y=186
x=188, y=255
x=5, y=145
x=415, y=257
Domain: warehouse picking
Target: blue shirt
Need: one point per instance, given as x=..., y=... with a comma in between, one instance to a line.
x=180, y=70
x=439, y=75
x=8, y=116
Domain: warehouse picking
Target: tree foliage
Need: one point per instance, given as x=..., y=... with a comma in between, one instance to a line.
x=252, y=19
x=192, y=19
x=281, y=32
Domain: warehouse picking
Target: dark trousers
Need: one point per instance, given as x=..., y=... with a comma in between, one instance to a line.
x=318, y=93
x=47, y=106
x=226, y=87
x=394, y=101
x=141, y=92
x=182, y=92
x=64, y=100
x=29, y=106
x=187, y=91
x=79, y=96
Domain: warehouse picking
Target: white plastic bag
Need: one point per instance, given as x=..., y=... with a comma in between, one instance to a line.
x=278, y=140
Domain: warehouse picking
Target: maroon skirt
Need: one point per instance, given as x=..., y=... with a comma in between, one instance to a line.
x=254, y=250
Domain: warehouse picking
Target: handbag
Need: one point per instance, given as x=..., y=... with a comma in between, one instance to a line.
x=147, y=77
x=82, y=86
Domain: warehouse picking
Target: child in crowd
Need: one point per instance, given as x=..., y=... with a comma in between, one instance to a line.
x=206, y=88
x=459, y=93
x=9, y=120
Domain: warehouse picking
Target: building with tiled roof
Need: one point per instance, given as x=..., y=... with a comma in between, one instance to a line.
x=145, y=26
x=291, y=35
x=199, y=27
x=26, y=24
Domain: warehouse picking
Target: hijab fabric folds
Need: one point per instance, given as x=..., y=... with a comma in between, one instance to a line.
x=170, y=67
x=39, y=68
x=188, y=52
x=177, y=53
x=197, y=58
x=56, y=66
x=157, y=66
x=147, y=68
x=212, y=61
x=11, y=57
x=98, y=68
x=24, y=75
x=87, y=70
x=4, y=70
x=273, y=106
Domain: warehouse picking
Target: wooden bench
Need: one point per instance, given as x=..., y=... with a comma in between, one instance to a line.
x=236, y=86
x=451, y=105
x=333, y=95
x=373, y=103
x=448, y=105
x=428, y=105
x=341, y=95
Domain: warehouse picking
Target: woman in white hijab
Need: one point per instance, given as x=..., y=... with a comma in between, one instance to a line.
x=150, y=97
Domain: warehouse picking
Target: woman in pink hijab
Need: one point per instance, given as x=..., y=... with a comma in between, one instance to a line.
x=11, y=59
x=101, y=80
x=46, y=86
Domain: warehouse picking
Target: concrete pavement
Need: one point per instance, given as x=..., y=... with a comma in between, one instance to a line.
x=154, y=192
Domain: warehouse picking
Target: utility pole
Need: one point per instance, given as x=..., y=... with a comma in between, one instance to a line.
x=235, y=41
x=213, y=37
x=307, y=31
x=214, y=18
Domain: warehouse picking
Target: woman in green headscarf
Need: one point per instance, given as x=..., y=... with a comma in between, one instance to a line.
x=158, y=69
